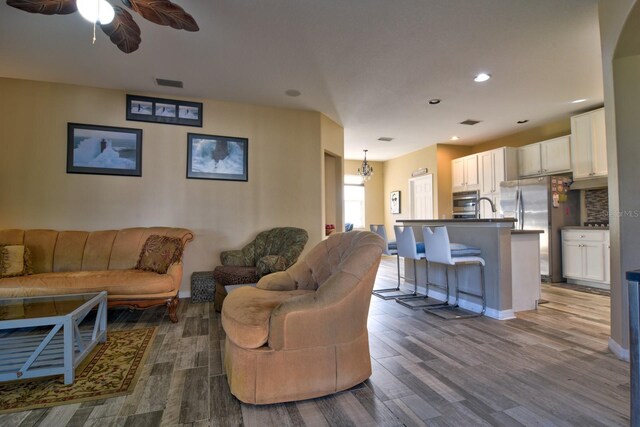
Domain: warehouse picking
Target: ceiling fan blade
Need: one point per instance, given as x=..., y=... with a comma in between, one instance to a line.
x=46, y=7
x=164, y=12
x=123, y=31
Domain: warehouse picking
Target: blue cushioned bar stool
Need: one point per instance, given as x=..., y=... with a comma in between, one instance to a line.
x=391, y=249
x=439, y=250
x=408, y=248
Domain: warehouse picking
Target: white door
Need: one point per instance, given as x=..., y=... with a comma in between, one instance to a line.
x=421, y=197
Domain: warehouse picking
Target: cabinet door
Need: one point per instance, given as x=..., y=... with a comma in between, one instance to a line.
x=572, y=259
x=593, y=268
x=498, y=169
x=457, y=174
x=529, y=160
x=556, y=155
x=581, y=150
x=599, y=143
x=471, y=171
x=487, y=171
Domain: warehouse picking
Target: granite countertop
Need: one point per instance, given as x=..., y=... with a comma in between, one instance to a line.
x=580, y=227
x=527, y=231
x=460, y=221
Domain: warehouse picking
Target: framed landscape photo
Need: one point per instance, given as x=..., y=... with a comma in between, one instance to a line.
x=104, y=150
x=395, y=202
x=217, y=157
x=167, y=111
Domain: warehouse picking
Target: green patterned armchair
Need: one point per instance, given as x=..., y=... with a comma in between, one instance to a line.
x=272, y=250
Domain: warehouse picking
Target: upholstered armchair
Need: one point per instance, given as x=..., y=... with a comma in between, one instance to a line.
x=272, y=250
x=302, y=333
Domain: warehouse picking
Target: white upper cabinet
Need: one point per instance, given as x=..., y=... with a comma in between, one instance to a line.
x=589, y=145
x=496, y=166
x=464, y=173
x=545, y=158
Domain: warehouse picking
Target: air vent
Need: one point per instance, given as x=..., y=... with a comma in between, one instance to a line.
x=385, y=139
x=169, y=83
x=470, y=122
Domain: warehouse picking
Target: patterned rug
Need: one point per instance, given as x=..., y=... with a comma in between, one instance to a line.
x=112, y=369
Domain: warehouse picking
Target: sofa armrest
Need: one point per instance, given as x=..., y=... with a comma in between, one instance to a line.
x=279, y=281
x=335, y=313
x=270, y=264
x=175, y=271
x=235, y=257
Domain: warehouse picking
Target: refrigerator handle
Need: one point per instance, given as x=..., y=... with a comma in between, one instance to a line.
x=518, y=210
x=521, y=211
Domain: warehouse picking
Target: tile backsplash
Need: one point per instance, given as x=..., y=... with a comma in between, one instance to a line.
x=597, y=204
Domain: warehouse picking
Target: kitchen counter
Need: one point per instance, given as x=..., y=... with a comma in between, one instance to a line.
x=581, y=227
x=512, y=271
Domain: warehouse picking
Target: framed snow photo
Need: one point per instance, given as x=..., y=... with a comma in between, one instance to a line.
x=217, y=157
x=104, y=150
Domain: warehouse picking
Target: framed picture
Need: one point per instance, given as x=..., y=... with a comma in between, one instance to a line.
x=104, y=150
x=395, y=202
x=168, y=111
x=217, y=157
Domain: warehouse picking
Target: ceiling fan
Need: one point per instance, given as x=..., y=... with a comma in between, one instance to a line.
x=122, y=30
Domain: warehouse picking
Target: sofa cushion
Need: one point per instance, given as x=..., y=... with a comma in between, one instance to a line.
x=270, y=264
x=235, y=275
x=246, y=313
x=115, y=282
x=158, y=253
x=12, y=260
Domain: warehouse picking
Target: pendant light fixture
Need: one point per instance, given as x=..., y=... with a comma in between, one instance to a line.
x=96, y=11
x=365, y=171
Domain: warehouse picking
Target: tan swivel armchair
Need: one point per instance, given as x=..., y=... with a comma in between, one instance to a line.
x=302, y=333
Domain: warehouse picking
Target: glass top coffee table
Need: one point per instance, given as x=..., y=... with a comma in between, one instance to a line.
x=42, y=336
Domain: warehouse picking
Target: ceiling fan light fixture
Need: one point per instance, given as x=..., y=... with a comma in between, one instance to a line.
x=96, y=11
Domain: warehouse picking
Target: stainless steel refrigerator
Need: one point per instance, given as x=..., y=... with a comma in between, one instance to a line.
x=546, y=204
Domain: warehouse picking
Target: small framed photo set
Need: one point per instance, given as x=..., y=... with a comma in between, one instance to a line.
x=167, y=111
x=395, y=202
x=104, y=150
x=217, y=157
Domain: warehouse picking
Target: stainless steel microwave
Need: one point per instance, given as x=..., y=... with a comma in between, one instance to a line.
x=464, y=204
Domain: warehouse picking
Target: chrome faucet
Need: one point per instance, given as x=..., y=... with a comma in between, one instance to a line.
x=493, y=206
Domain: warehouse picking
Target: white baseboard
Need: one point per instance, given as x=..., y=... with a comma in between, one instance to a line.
x=184, y=294
x=620, y=352
x=472, y=306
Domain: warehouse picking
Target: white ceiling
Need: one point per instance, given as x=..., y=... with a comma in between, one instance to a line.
x=371, y=65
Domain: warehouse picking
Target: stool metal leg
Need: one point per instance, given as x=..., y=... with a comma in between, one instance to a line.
x=425, y=296
x=461, y=313
x=379, y=292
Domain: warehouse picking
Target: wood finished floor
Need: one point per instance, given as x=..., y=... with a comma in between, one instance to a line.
x=549, y=367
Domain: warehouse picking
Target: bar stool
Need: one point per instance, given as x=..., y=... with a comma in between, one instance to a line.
x=391, y=248
x=408, y=248
x=438, y=249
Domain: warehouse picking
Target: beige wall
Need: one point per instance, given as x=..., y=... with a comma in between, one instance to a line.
x=397, y=173
x=332, y=154
x=284, y=187
x=446, y=153
x=374, y=193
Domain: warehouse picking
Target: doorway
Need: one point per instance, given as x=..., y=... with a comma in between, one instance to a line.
x=421, y=197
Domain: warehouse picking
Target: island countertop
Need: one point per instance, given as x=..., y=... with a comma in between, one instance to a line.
x=461, y=221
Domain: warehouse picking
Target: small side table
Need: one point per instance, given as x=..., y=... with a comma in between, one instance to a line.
x=202, y=286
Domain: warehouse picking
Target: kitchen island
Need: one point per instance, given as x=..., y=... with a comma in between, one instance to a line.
x=512, y=271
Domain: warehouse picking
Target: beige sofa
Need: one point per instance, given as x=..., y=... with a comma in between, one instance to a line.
x=302, y=333
x=65, y=262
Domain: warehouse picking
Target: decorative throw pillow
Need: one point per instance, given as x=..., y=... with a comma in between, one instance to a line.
x=158, y=253
x=12, y=260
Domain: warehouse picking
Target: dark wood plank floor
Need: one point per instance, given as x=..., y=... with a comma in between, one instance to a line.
x=549, y=367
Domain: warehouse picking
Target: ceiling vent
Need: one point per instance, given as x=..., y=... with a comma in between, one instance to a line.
x=470, y=122
x=169, y=83
x=385, y=139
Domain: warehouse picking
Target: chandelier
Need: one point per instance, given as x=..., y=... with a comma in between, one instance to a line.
x=366, y=170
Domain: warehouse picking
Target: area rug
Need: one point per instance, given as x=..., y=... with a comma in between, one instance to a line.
x=112, y=369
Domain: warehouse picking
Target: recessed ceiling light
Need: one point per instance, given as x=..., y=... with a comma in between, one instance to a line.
x=292, y=92
x=578, y=101
x=434, y=101
x=522, y=121
x=482, y=77
x=455, y=138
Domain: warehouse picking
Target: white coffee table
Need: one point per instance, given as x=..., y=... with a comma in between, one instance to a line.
x=42, y=336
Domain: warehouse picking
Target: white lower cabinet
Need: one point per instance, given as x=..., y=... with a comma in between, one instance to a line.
x=585, y=255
